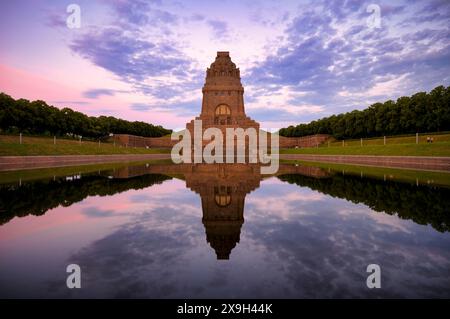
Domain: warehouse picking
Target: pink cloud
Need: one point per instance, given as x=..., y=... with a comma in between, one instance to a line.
x=22, y=84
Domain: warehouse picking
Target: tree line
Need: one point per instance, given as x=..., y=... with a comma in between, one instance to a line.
x=37, y=117
x=422, y=112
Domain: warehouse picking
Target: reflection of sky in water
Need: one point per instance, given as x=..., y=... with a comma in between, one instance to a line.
x=294, y=242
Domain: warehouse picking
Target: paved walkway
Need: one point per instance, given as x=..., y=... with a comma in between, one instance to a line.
x=8, y=163
x=412, y=162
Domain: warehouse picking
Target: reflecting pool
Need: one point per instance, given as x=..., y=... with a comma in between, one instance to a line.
x=225, y=231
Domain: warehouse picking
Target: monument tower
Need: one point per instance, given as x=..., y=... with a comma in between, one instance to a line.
x=223, y=97
x=222, y=107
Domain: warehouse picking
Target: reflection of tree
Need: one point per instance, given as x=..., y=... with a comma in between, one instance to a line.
x=37, y=197
x=422, y=204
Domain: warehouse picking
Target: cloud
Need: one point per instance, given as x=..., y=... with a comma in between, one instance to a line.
x=69, y=102
x=137, y=13
x=95, y=93
x=128, y=57
x=321, y=47
x=141, y=107
x=183, y=109
x=330, y=49
x=55, y=20
x=197, y=17
x=220, y=28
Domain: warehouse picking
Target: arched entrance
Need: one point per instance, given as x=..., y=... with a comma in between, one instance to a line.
x=222, y=115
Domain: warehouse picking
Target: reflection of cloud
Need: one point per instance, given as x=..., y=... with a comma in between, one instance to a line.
x=133, y=260
x=305, y=244
x=325, y=253
x=97, y=212
x=293, y=200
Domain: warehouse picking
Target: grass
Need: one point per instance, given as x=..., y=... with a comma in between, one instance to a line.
x=10, y=146
x=399, y=139
x=435, y=149
x=43, y=173
x=396, y=174
x=395, y=146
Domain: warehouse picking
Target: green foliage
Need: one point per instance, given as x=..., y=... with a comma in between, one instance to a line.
x=421, y=112
x=37, y=117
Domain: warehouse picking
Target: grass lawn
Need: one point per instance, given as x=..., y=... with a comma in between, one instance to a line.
x=10, y=146
x=405, y=145
x=399, y=139
x=395, y=146
x=435, y=149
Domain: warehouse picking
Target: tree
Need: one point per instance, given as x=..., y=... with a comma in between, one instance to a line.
x=38, y=117
x=421, y=112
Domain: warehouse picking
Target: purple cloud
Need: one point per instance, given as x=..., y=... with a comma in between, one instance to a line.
x=325, y=58
x=220, y=28
x=128, y=57
x=95, y=93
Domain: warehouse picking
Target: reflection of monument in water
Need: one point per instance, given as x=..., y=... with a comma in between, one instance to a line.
x=222, y=189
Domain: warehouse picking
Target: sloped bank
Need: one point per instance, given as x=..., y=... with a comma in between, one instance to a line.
x=9, y=163
x=413, y=162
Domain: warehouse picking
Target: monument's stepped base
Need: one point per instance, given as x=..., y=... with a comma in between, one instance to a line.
x=165, y=142
x=304, y=141
x=127, y=140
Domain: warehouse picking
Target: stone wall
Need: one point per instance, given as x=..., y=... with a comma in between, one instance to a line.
x=127, y=140
x=166, y=142
x=304, y=141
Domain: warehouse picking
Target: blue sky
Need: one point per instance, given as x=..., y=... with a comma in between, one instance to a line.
x=299, y=60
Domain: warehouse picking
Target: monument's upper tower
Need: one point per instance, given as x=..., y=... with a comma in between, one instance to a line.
x=223, y=95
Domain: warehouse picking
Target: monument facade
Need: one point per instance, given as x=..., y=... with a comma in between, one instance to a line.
x=222, y=107
x=223, y=97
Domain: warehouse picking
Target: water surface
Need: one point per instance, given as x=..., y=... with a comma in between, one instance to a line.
x=224, y=231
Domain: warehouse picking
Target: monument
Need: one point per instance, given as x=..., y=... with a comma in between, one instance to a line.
x=223, y=97
x=222, y=107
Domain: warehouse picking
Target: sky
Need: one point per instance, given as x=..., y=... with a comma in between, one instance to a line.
x=146, y=60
